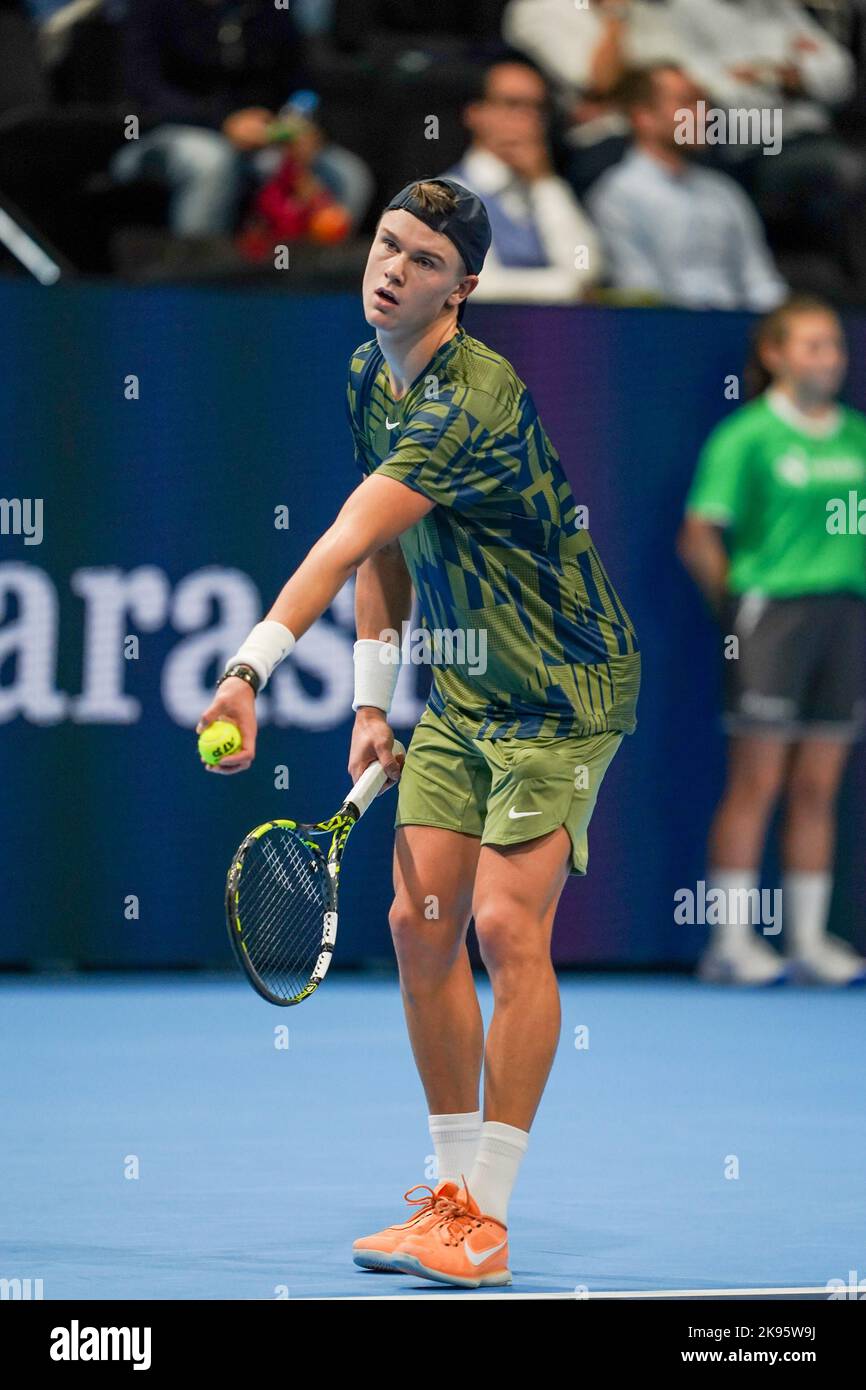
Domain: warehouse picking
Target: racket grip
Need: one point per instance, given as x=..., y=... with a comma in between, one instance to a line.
x=371, y=782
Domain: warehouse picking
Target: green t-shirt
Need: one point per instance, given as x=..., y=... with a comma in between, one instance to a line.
x=542, y=645
x=790, y=498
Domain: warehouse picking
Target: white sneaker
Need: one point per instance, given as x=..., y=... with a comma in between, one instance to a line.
x=829, y=961
x=749, y=961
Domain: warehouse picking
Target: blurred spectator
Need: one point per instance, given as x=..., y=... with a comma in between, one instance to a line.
x=208, y=79
x=544, y=248
x=769, y=54
x=294, y=204
x=673, y=229
x=765, y=53
x=585, y=52
x=57, y=20
x=22, y=82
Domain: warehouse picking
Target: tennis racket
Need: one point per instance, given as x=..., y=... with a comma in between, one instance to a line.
x=281, y=896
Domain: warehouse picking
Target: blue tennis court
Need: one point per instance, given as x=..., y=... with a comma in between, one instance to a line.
x=163, y=1140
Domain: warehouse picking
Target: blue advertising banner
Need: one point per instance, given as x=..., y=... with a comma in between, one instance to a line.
x=175, y=453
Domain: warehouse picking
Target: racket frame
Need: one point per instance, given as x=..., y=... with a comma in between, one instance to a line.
x=365, y=790
x=340, y=824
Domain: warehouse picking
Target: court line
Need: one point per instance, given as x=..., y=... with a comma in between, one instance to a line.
x=617, y=1293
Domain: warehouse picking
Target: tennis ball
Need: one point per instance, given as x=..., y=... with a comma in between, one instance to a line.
x=218, y=740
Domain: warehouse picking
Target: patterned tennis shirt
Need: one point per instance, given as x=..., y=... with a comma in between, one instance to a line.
x=502, y=556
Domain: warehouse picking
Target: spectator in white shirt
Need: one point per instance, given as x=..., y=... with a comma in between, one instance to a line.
x=771, y=55
x=584, y=50
x=673, y=230
x=544, y=248
x=765, y=53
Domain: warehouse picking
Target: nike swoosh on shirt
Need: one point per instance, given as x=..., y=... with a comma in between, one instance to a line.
x=391, y=424
x=515, y=815
x=478, y=1257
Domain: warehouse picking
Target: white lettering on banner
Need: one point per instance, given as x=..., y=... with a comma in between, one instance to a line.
x=114, y=602
x=32, y=636
x=228, y=600
x=213, y=607
x=327, y=658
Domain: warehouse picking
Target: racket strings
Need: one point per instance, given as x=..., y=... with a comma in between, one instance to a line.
x=291, y=890
x=281, y=910
x=283, y=894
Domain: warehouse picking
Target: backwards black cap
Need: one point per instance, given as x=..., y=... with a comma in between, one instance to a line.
x=467, y=226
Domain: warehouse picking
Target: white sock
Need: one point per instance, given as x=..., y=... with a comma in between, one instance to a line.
x=494, y=1172
x=455, y=1138
x=728, y=936
x=806, y=907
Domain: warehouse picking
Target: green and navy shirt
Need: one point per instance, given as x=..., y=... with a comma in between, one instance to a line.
x=776, y=480
x=502, y=553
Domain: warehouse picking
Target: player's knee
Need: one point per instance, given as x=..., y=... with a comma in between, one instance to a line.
x=422, y=943
x=509, y=936
x=404, y=919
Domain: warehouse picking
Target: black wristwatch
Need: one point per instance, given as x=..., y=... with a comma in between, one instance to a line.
x=246, y=673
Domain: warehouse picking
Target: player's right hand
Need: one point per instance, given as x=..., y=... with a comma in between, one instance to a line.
x=373, y=741
x=235, y=701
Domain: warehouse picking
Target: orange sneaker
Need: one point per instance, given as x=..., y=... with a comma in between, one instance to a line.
x=461, y=1246
x=373, y=1252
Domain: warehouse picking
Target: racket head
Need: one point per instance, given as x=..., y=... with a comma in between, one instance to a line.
x=281, y=908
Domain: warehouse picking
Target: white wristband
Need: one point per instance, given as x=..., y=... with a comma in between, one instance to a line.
x=267, y=645
x=376, y=673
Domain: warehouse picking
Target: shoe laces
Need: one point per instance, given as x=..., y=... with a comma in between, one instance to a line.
x=455, y=1221
x=424, y=1204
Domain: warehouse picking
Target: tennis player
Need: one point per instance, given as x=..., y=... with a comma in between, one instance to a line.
x=769, y=539
x=465, y=499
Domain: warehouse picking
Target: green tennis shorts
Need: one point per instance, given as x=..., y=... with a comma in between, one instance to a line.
x=507, y=790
